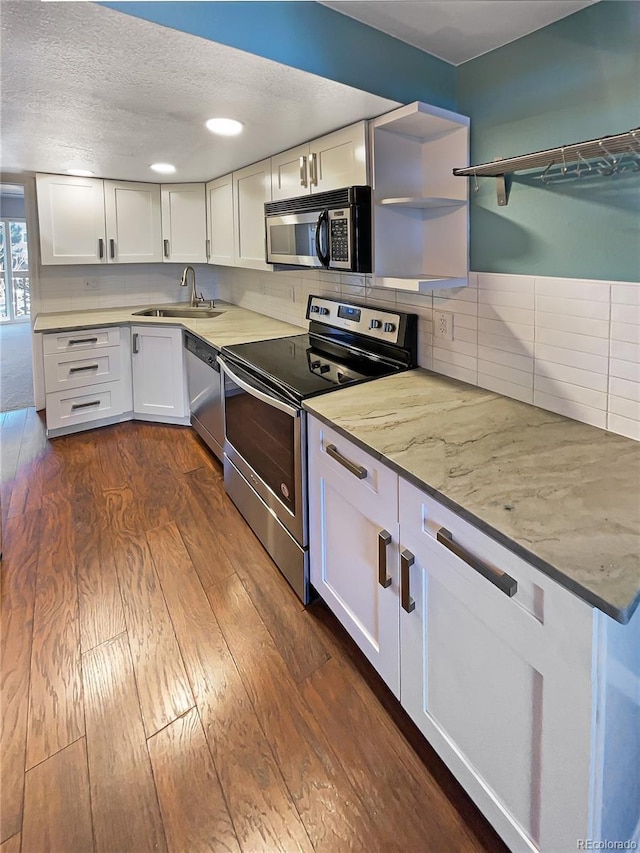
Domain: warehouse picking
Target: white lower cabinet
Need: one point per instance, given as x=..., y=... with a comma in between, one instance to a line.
x=529, y=695
x=87, y=378
x=159, y=387
x=354, y=544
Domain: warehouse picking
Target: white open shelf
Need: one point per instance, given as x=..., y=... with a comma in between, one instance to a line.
x=418, y=284
x=422, y=203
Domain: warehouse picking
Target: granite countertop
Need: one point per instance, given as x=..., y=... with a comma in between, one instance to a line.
x=234, y=325
x=561, y=494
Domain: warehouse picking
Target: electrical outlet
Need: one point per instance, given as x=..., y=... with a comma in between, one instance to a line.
x=443, y=325
x=91, y=285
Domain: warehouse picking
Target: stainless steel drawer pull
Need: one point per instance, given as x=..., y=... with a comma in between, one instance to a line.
x=208, y=248
x=100, y=248
x=166, y=248
x=112, y=248
x=83, y=341
x=136, y=342
x=407, y=559
x=84, y=405
x=81, y=369
x=384, y=540
x=357, y=470
x=502, y=580
x=303, y=171
x=313, y=163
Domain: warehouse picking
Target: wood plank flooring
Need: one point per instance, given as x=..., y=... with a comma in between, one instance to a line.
x=162, y=687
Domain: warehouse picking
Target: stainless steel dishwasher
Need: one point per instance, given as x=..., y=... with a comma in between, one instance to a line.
x=205, y=397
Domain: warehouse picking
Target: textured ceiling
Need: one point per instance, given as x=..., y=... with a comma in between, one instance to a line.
x=457, y=31
x=88, y=87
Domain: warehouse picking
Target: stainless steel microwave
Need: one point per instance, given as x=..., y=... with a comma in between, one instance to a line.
x=330, y=230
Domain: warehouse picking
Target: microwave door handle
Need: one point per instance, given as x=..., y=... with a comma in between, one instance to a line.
x=324, y=259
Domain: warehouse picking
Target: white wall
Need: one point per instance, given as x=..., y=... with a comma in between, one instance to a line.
x=567, y=345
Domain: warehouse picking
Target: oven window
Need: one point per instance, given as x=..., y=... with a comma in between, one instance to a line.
x=264, y=437
x=295, y=239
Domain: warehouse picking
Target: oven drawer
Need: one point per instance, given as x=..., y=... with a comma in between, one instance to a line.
x=79, y=406
x=80, y=339
x=71, y=370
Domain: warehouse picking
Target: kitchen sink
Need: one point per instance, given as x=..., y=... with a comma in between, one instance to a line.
x=202, y=313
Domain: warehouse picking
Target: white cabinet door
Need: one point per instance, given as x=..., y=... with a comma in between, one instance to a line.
x=251, y=189
x=290, y=173
x=500, y=685
x=133, y=222
x=71, y=219
x=184, y=230
x=353, y=536
x=159, y=389
x=339, y=159
x=220, y=244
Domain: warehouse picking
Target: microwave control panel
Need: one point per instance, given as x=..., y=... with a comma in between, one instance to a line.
x=340, y=238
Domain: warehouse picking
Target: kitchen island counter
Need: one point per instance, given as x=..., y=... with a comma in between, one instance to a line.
x=563, y=495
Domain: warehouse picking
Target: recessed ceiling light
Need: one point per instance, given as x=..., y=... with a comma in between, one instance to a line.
x=224, y=126
x=80, y=173
x=163, y=168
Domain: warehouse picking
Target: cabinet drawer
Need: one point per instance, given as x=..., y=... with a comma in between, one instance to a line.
x=66, y=408
x=354, y=472
x=70, y=370
x=81, y=339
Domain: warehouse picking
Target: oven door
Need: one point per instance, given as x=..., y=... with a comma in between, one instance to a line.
x=299, y=239
x=264, y=438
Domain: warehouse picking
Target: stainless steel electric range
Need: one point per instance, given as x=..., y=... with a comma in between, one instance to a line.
x=265, y=425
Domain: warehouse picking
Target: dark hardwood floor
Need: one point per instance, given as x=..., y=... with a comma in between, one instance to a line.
x=163, y=688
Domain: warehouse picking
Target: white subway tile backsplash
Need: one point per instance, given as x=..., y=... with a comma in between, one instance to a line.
x=624, y=388
x=572, y=375
x=456, y=371
x=624, y=407
x=451, y=357
x=569, y=340
x=625, y=369
x=506, y=329
x=501, y=386
x=507, y=299
x=573, y=307
x=570, y=409
x=625, y=351
x=591, y=291
x=506, y=314
x=629, y=332
x=506, y=283
x=574, y=393
x=518, y=360
x=625, y=314
x=572, y=325
x=572, y=358
x=627, y=294
x=502, y=371
x=624, y=426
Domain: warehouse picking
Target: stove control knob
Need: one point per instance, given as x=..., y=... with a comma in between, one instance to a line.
x=323, y=310
x=389, y=327
x=315, y=309
x=325, y=368
x=375, y=324
x=314, y=365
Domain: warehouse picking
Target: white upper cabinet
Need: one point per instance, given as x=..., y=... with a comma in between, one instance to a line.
x=421, y=217
x=91, y=221
x=133, y=223
x=184, y=231
x=329, y=163
x=220, y=215
x=71, y=219
x=251, y=189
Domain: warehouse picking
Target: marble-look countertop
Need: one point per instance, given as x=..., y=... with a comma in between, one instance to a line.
x=234, y=325
x=563, y=495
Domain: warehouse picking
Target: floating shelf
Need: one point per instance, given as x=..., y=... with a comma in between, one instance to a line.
x=418, y=284
x=422, y=203
x=577, y=152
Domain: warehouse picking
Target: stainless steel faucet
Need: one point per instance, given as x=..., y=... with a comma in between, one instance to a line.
x=194, y=299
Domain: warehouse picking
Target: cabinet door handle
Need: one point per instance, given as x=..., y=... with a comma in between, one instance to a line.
x=502, y=580
x=100, y=248
x=81, y=369
x=166, y=248
x=83, y=341
x=303, y=172
x=357, y=470
x=136, y=343
x=208, y=249
x=313, y=163
x=384, y=540
x=406, y=561
x=84, y=405
x=112, y=248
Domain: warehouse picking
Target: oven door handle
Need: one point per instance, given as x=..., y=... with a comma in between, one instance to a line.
x=292, y=411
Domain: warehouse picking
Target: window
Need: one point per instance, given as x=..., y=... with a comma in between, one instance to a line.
x=15, y=298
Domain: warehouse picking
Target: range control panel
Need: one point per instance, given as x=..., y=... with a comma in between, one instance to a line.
x=363, y=320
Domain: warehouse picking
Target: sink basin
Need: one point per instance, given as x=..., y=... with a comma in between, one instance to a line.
x=202, y=313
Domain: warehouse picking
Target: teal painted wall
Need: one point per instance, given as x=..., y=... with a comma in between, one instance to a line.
x=313, y=38
x=574, y=80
